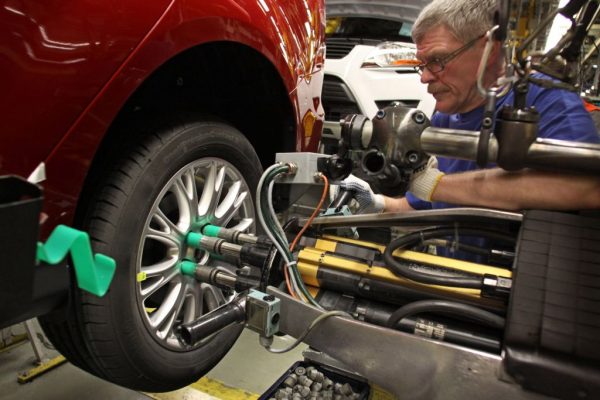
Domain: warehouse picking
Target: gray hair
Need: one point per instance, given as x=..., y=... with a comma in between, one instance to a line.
x=465, y=19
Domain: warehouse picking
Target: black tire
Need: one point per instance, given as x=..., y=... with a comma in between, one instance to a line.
x=137, y=214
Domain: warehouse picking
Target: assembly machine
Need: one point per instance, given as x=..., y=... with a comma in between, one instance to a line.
x=522, y=323
x=369, y=296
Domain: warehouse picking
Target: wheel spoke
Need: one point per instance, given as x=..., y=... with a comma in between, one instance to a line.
x=243, y=225
x=212, y=297
x=193, y=304
x=155, y=281
x=231, y=204
x=170, y=305
x=165, y=224
x=213, y=185
x=229, y=200
x=166, y=330
x=171, y=240
x=184, y=189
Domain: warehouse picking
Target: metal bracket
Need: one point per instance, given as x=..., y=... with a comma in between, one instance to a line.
x=408, y=366
x=262, y=313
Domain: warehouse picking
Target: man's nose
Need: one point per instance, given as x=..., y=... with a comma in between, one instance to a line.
x=427, y=76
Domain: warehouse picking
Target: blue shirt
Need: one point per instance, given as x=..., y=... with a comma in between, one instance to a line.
x=562, y=116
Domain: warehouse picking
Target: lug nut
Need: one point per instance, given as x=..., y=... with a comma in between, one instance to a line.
x=305, y=381
x=291, y=380
x=346, y=389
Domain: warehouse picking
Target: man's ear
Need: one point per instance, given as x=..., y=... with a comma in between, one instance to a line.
x=496, y=52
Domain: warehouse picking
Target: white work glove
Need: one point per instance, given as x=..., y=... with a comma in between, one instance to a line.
x=368, y=201
x=425, y=179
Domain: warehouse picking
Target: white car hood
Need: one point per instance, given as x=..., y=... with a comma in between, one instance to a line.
x=404, y=11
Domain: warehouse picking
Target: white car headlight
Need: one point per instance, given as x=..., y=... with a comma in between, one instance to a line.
x=395, y=55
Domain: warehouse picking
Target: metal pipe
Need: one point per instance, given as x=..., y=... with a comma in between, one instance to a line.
x=230, y=235
x=219, y=246
x=455, y=143
x=214, y=276
x=548, y=154
x=214, y=321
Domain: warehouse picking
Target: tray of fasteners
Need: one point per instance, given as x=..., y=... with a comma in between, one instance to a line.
x=312, y=381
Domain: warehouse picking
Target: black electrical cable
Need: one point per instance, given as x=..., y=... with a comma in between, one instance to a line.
x=446, y=307
x=418, y=237
x=462, y=246
x=292, y=222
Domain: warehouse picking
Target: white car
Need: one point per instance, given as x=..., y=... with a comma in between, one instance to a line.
x=369, y=61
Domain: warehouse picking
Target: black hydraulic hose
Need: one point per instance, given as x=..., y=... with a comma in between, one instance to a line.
x=446, y=307
x=418, y=237
x=463, y=247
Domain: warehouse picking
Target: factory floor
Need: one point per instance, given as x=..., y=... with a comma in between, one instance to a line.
x=246, y=372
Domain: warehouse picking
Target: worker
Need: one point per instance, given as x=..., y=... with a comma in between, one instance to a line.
x=450, y=40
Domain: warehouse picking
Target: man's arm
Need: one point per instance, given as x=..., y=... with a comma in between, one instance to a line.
x=396, y=204
x=528, y=189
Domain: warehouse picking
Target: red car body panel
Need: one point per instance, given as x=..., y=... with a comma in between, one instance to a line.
x=71, y=66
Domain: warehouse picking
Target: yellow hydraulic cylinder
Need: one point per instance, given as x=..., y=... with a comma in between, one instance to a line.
x=323, y=255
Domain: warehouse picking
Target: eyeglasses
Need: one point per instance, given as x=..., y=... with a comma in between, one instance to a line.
x=437, y=65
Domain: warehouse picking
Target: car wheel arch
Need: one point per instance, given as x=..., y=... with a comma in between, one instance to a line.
x=275, y=121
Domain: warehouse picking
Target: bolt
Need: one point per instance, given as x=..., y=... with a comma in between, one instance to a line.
x=487, y=122
x=413, y=157
x=380, y=114
x=419, y=117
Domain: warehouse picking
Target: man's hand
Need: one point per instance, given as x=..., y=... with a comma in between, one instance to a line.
x=424, y=180
x=368, y=201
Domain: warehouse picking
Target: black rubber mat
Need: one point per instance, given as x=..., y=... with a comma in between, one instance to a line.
x=552, y=339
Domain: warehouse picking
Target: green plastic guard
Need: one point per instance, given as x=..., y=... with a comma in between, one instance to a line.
x=211, y=230
x=193, y=239
x=187, y=267
x=93, y=273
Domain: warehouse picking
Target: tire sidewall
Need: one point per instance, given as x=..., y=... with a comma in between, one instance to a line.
x=179, y=147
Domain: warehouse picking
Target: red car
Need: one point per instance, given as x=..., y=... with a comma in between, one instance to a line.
x=150, y=117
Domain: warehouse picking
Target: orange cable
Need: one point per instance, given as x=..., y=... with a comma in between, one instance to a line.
x=314, y=214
